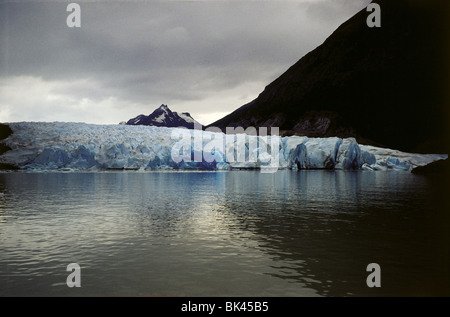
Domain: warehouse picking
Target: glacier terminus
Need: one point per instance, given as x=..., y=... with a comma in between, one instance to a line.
x=70, y=146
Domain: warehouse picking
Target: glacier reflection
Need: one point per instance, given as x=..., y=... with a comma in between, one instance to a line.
x=236, y=233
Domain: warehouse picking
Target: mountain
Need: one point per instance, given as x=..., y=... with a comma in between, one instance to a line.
x=164, y=117
x=383, y=86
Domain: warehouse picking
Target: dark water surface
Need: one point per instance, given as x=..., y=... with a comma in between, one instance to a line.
x=238, y=233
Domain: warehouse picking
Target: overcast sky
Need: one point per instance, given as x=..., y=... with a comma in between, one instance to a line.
x=128, y=57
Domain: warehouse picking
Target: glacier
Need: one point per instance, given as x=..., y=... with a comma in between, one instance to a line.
x=71, y=146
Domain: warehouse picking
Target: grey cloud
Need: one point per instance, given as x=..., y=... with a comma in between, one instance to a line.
x=156, y=50
x=327, y=11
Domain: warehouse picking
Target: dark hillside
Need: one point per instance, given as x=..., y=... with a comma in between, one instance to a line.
x=384, y=86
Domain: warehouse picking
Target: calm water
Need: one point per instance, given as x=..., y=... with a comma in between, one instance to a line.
x=242, y=233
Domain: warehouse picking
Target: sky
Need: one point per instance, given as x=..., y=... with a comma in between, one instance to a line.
x=127, y=58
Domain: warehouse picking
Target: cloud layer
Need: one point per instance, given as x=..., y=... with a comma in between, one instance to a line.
x=203, y=57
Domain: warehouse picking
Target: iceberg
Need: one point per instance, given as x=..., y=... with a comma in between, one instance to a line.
x=70, y=146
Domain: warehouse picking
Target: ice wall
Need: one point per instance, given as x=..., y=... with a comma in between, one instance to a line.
x=80, y=146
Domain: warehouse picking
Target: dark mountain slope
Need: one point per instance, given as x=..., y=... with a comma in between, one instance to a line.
x=385, y=86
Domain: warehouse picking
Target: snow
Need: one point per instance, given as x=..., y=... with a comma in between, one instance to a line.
x=69, y=146
x=386, y=159
x=138, y=119
x=160, y=118
x=185, y=117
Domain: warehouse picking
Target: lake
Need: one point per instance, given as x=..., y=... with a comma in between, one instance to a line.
x=231, y=233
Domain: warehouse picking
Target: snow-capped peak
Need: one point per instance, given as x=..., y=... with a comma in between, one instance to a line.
x=164, y=117
x=164, y=108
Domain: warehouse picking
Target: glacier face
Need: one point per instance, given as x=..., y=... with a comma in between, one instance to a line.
x=80, y=146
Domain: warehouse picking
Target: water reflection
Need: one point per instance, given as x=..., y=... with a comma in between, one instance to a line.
x=329, y=225
x=237, y=233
